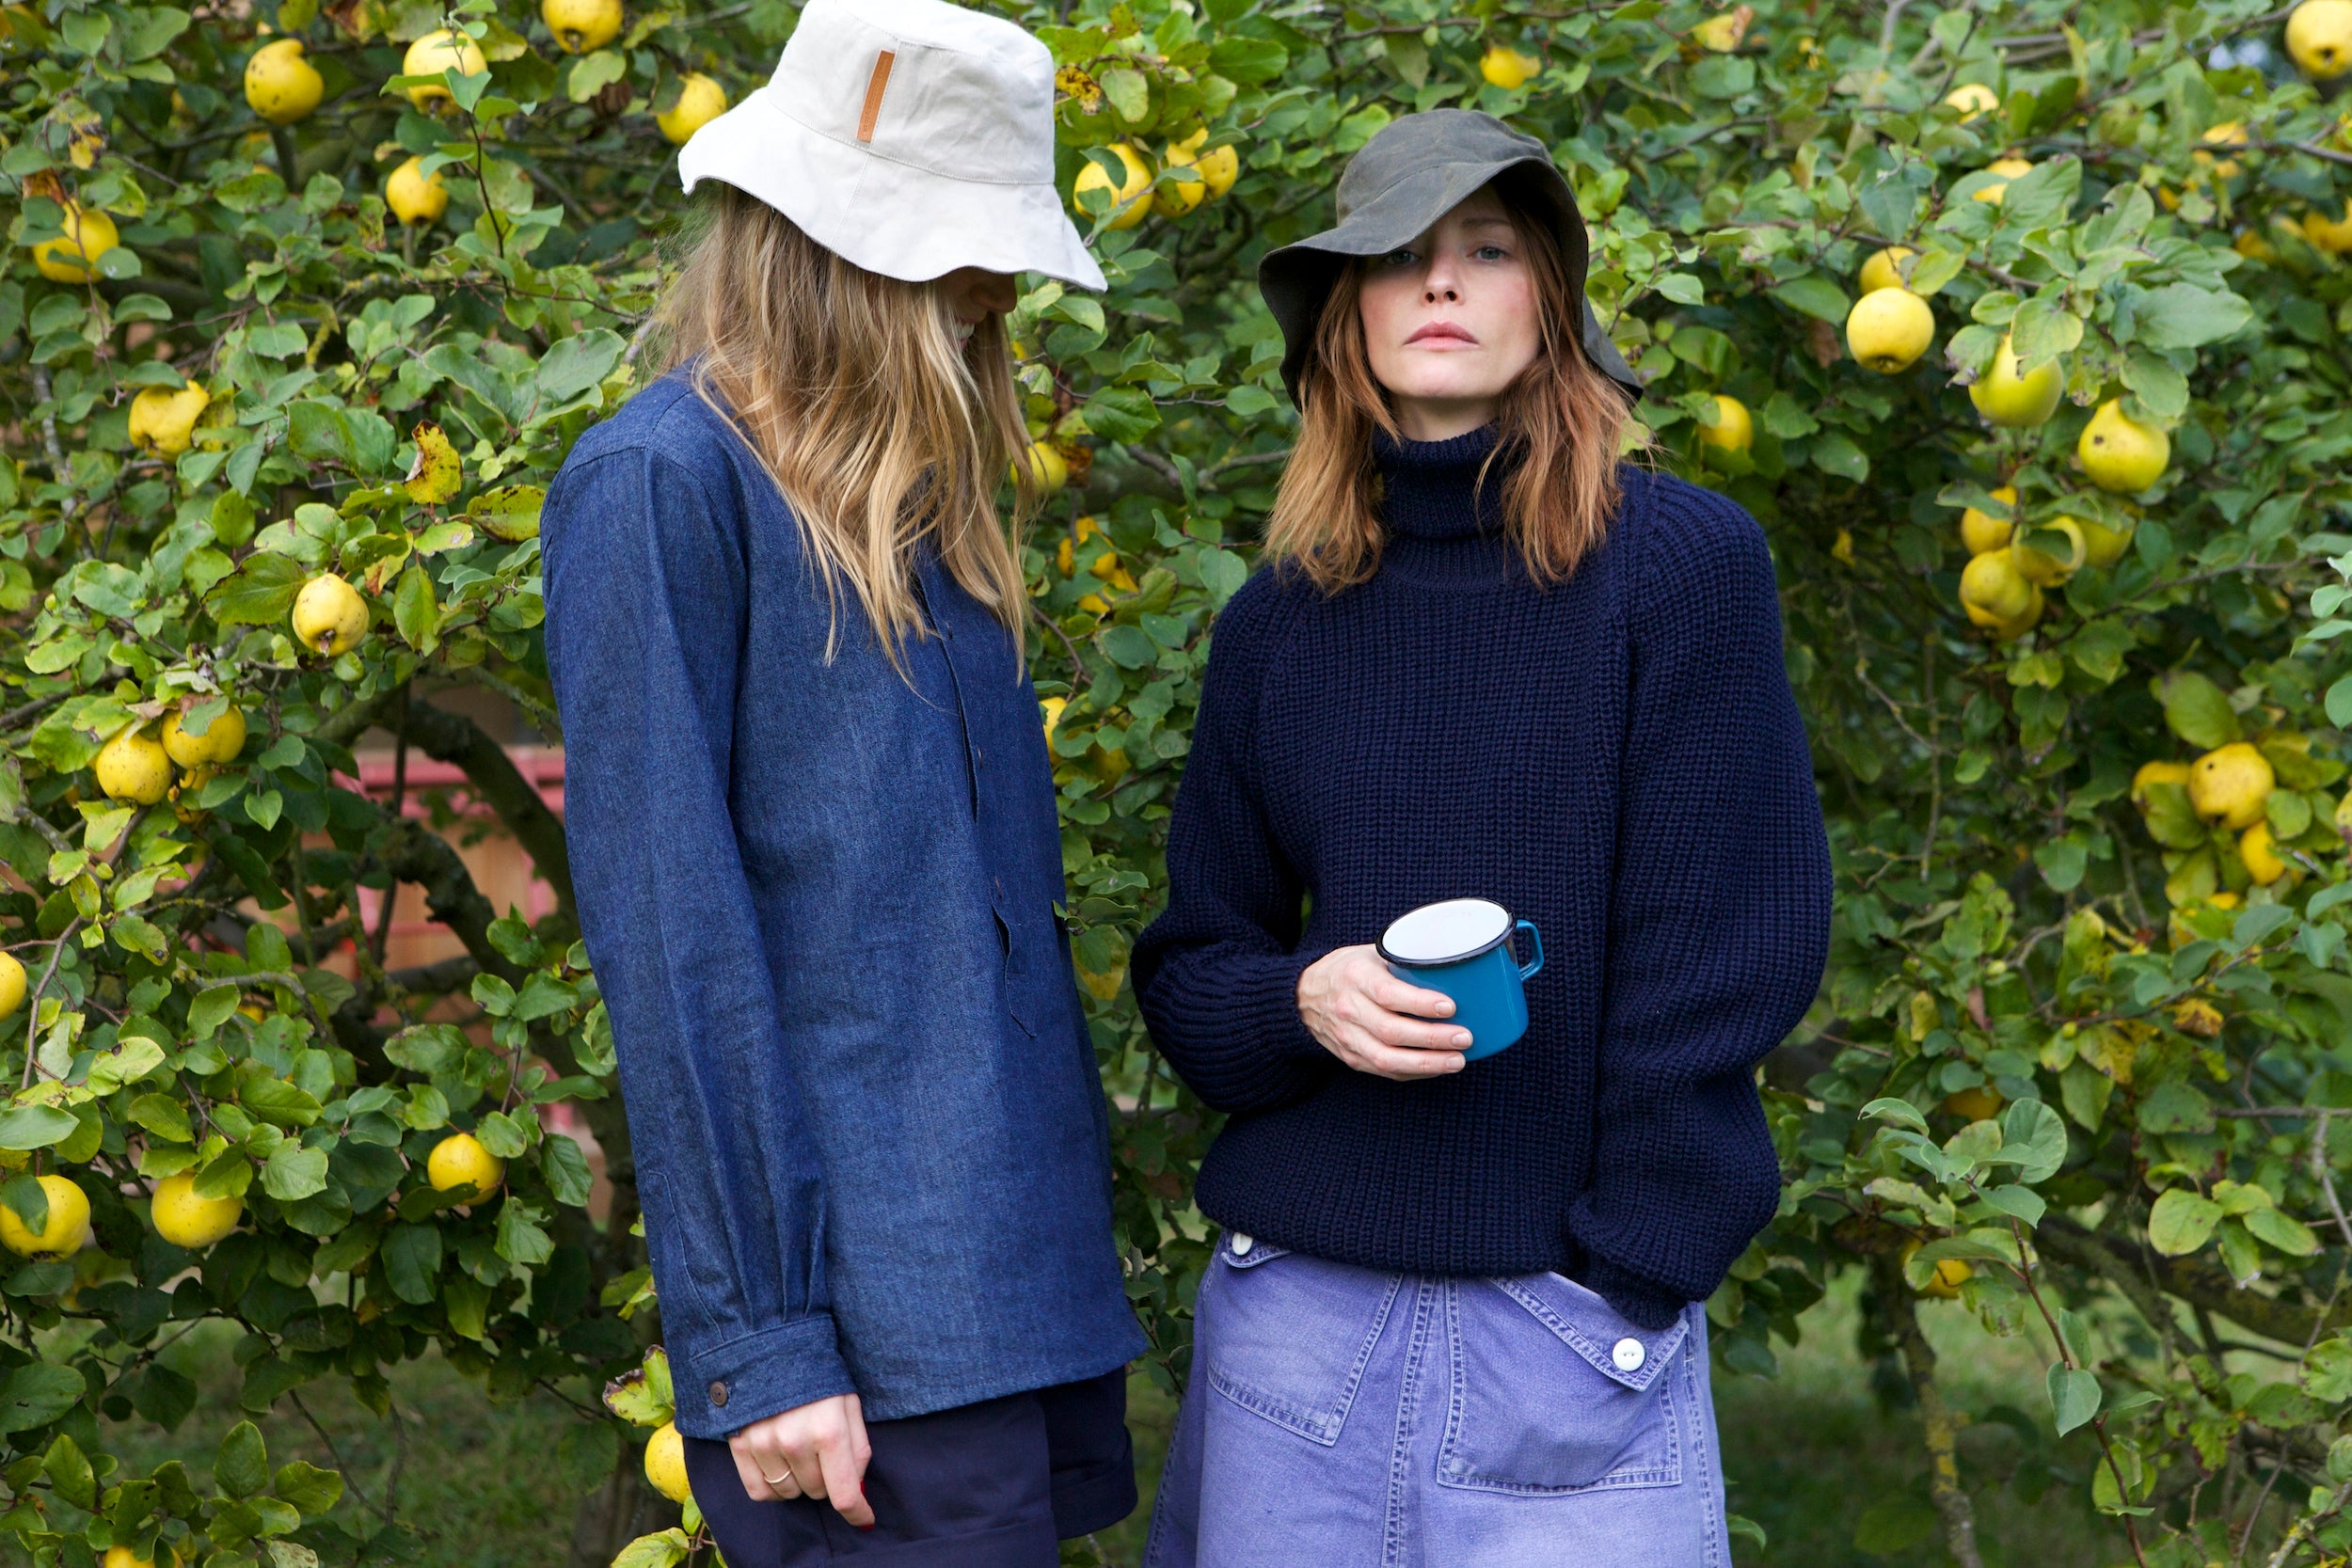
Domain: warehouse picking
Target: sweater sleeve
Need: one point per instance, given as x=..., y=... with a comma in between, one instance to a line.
x=1719, y=913
x=647, y=602
x=1218, y=973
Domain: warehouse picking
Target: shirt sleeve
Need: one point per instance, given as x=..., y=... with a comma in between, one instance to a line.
x=1218, y=973
x=1719, y=916
x=648, y=603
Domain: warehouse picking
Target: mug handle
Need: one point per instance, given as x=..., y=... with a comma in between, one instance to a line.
x=1527, y=971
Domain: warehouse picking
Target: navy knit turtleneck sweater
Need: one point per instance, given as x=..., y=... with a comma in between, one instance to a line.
x=1617, y=758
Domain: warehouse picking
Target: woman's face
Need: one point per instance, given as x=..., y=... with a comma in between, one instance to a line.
x=1450, y=320
x=973, y=292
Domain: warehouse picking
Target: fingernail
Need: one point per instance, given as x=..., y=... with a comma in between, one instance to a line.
x=1461, y=1036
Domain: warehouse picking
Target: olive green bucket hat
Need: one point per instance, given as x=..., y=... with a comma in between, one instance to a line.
x=1415, y=171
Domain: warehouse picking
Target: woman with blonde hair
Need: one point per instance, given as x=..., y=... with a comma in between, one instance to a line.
x=813, y=831
x=1494, y=677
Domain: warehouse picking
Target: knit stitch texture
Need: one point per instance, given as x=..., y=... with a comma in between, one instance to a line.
x=1618, y=758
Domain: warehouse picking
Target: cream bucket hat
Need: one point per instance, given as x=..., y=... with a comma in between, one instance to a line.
x=910, y=137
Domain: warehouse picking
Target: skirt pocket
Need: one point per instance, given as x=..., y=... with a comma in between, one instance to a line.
x=1553, y=1392
x=1288, y=1335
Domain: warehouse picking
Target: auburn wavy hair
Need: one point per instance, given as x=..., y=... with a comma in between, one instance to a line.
x=879, y=429
x=1564, y=427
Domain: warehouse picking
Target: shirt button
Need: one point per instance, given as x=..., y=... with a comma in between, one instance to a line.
x=979, y=759
x=1242, y=1244
x=719, y=1390
x=1629, y=1354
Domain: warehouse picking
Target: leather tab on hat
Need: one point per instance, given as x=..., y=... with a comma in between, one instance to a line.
x=874, y=86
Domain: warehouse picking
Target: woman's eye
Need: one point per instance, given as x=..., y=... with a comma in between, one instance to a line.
x=1399, y=258
x=1491, y=253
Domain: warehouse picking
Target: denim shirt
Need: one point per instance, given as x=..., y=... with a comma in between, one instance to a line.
x=820, y=894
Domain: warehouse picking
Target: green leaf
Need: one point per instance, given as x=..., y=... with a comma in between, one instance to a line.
x=262, y=592
x=566, y=1169
x=2175, y=1108
x=665, y=1549
x=2042, y=329
x=2074, y=1396
x=643, y=1397
x=69, y=1471
x=1902, y=1112
x=2327, y=1370
x=411, y=1255
x=502, y=1136
x=211, y=1009
x=1129, y=92
x=466, y=1301
x=579, y=363
x=521, y=1240
x=593, y=73
x=2034, y=1135
x=2181, y=315
x=28, y=1127
x=310, y=1489
x=2196, y=709
x=1816, y=295
x=241, y=1468
x=2283, y=1230
x=2182, y=1221
x=1120, y=414
x=1247, y=60
x=1835, y=453
x=277, y=1102
x=24, y=1194
x=415, y=613
x=292, y=1172
x=1127, y=646
x=37, y=1394
x=227, y=1175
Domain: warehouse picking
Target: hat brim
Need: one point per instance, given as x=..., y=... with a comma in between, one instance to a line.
x=886, y=216
x=1296, y=278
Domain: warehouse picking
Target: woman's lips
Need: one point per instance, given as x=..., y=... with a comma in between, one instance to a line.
x=1442, y=332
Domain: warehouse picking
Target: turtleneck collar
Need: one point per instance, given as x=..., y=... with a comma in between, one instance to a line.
x=1436, y=536
x=1426, y=485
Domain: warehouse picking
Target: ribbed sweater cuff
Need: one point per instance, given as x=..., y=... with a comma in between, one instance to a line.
x=1636, y=1300
x=1231, y=1024
x=1266, y=1005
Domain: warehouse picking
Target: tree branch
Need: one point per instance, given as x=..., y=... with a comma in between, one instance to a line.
x=454, y=738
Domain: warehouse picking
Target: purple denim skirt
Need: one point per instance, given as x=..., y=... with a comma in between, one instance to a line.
x=1353, y=1418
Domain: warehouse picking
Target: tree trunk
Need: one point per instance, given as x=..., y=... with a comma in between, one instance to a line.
x=1941, y=1429
x=618, y=1512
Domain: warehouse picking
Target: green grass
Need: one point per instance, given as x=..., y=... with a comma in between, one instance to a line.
x=1811, y=1455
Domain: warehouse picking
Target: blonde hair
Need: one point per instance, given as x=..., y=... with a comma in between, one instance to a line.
x=1564, y=421
x=850, y=389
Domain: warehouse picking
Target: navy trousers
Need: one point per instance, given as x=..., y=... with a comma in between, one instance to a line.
x=989, y=1485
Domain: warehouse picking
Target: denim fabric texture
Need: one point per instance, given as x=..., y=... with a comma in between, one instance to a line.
x=821, y=898
x=1353, y=1418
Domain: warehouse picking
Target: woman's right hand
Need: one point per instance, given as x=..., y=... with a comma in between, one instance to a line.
x=819, y=1450
x=1365, y=1016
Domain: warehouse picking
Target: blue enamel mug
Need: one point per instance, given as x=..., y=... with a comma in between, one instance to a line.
x=1463, y=949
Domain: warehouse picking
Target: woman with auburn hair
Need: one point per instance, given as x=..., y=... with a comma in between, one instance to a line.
x=1453, y=1316
x=813, y=833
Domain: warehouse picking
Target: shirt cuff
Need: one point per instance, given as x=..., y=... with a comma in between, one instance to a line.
x=723, y=1388
x=1635, y=1299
